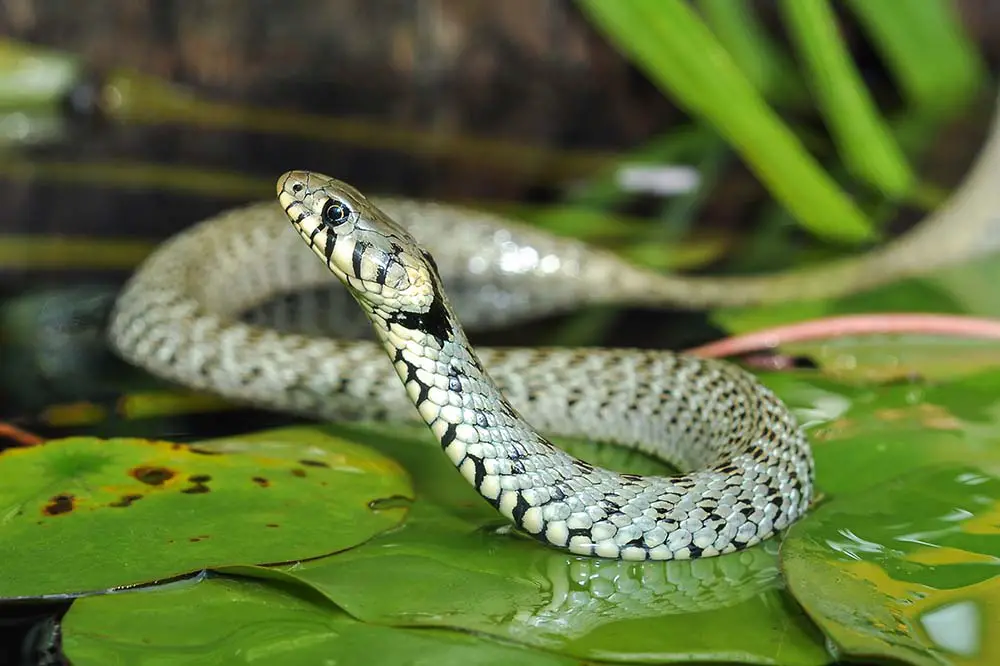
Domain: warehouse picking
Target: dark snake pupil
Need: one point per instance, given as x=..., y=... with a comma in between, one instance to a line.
x=335, y=213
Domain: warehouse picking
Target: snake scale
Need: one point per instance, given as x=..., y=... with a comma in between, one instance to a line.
x=748, y=468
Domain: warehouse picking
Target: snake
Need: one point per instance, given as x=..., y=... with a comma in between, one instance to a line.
x=746, y=468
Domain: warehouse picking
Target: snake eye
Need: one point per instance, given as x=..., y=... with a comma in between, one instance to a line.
x=335, y=212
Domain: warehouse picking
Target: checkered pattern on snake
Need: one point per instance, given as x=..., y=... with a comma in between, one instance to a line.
x=749, y=467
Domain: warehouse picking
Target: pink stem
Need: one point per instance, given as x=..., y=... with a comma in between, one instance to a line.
x=867, y=324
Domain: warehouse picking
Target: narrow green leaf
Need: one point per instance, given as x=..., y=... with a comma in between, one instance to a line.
x=680, y=54
x=767, y=67
x=939, y=68
x=862, y=136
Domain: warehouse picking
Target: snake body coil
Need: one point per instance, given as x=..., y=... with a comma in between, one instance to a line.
x=751, y=469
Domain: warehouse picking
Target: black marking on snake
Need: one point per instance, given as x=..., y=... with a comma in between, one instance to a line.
x=578, y=532
x=436, y=321
x=477, y=462
x=449, y=436
x=507, y=410
x=424, y=388
x=411, y=370
x=359, y=252
x=520, y=507
x=493, y=501
x=331, y=243
x=638, y=542
x=382, y=269
x=312, y=234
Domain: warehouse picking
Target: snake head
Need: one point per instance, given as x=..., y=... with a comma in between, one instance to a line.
x=378, y=261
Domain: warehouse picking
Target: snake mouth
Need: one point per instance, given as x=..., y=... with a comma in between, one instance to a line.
x=293, y=188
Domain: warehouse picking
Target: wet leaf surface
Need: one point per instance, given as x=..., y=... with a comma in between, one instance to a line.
x=902, y=559
x=922, y=584
x=455, y=564
x=83, y=515
x=228, y=621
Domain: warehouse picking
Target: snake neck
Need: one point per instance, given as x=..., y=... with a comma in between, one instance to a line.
x=483, y=435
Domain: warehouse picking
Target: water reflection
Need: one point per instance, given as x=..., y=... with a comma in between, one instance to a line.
x=583, y=593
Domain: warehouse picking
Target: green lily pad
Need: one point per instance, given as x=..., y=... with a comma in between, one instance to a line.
x=230, y=621
x=902, y=558
x=863, y=436
x=83, y=515
x=455, y=564
x=916, y=565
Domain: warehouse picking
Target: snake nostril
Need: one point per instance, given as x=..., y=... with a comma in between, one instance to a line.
x=297, y=187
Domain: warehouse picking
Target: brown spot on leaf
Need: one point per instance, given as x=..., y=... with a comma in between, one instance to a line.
x=152, y=476
x=125, y=500
x=198, y=538
x=272, y=525
x=261, y=481
x=59, y=504
x=314, y=463
x=299, y=472
x=199, y=486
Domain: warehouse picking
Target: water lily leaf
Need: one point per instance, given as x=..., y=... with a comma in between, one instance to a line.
x=83, y=515
x=227, y=621
x=454, y=563
x=902, y=558
x=865, y=436
x=916, y=565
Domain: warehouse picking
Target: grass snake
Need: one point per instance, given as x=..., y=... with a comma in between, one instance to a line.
x=747, y=468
